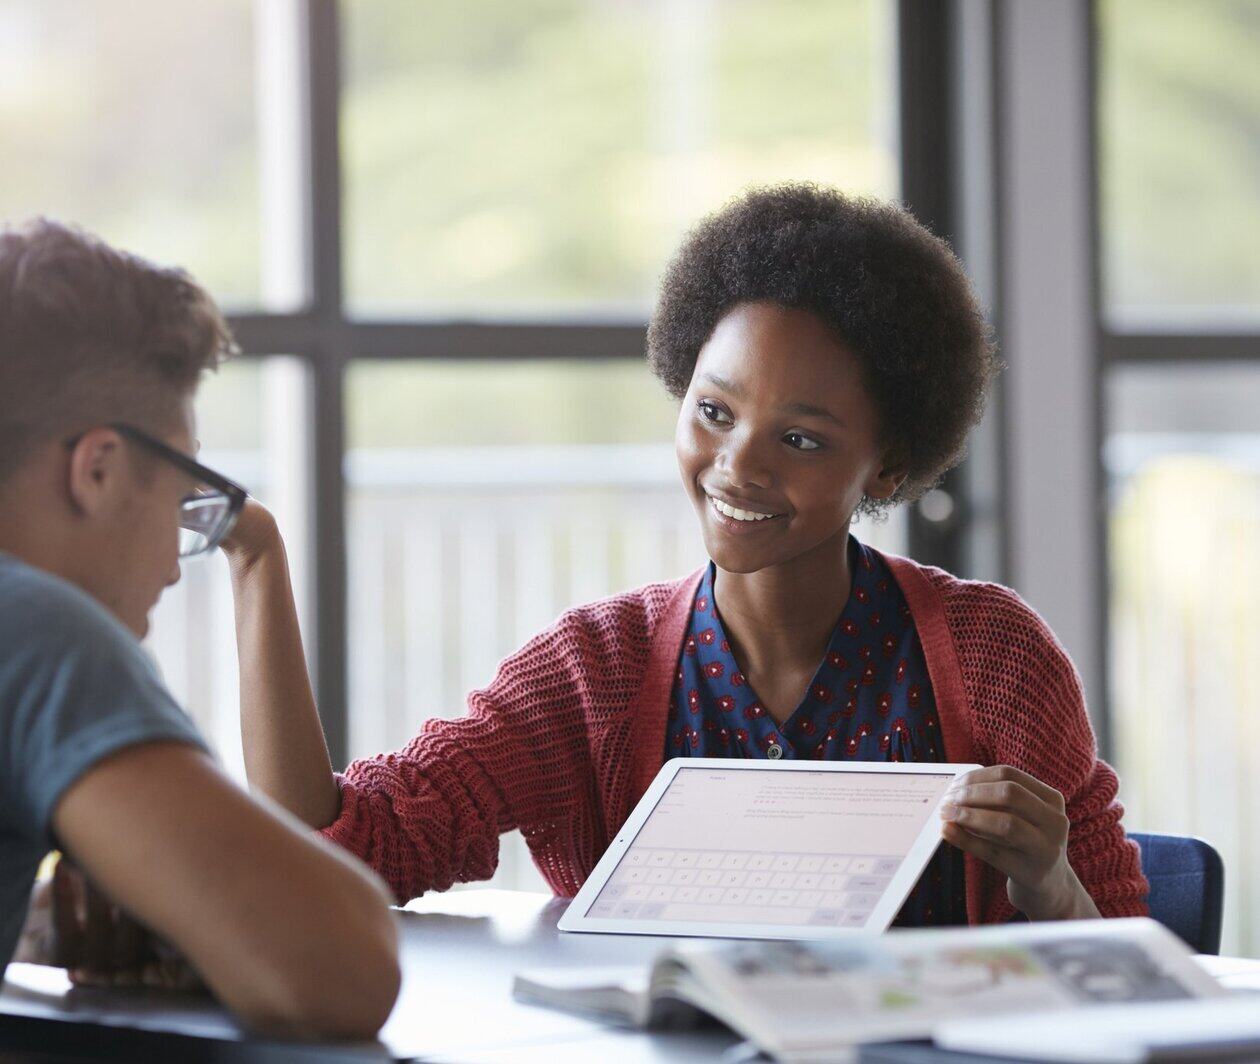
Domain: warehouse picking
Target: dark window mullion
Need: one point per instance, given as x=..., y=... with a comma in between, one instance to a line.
x=323, y=203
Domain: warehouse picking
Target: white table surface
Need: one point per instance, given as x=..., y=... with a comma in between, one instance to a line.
x=460, y=952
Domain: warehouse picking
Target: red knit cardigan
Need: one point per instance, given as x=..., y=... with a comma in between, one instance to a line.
x=571, y=731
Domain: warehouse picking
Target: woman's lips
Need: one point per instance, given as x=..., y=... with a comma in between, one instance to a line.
x=739, y=525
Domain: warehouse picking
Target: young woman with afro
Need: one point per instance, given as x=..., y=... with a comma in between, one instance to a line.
x=829, y=359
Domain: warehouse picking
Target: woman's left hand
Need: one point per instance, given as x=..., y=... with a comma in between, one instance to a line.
x=1018, y=824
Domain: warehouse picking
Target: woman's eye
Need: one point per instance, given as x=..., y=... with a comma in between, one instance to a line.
x=713, y=412
x=801, y=442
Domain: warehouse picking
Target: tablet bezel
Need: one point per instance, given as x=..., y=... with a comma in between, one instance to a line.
x=894, y=895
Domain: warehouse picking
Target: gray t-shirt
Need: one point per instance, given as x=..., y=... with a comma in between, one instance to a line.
x=75, y=687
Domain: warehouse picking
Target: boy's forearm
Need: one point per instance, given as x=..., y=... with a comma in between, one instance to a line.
x=286, y=756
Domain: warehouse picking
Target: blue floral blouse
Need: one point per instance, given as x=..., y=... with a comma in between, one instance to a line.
x=870, y=700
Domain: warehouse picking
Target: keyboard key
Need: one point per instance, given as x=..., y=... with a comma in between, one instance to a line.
x=757, y=879
x=783, y=880
x=808, y=880
x=760, y=897
x=711, y=895
x=865, y=902
x=613, y=891
x=735, y=896
x=810, y=898
x=683, y=859
x=759, y=862
x=659, y=859
x=658, y=875
x=810, y=864
x=634, y=858
x=651, y=911
x=832, y=882
x=784, y=897
x=732, y=879
x=826, y=917
x=661, y=894
x=601, y=908
x=734, y=860
x=625, y=909
x=686, y=894
x=836, y=864
x=708, y=877
x=737, y=914
x=683, y=876
x=853, y=918
x=635, y=875
x=638, y=892
x=887, y=866
x=832, y=900
x=709, y=860
x=876, y=883
x=862, y=866
x=785, y=862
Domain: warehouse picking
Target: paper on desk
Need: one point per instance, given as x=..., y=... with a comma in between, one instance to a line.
x=1115, y=1034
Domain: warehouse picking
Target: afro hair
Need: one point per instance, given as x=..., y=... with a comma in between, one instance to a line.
x=894, y=294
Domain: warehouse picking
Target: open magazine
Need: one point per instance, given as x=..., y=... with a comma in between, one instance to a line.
x=815, y=1001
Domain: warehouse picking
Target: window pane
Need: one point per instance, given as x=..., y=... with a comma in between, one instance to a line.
x=1183, y=459
x=535, y=154
x=1179, y=130
x=137, y=120
x=251, y=417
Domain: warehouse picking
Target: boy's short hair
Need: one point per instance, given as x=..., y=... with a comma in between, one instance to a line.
x=893, y=293
x=91, y=335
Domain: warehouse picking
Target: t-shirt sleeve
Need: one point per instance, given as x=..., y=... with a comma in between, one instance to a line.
x=75, y=687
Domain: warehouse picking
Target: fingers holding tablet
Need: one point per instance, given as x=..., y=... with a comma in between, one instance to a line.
x=1017, y=824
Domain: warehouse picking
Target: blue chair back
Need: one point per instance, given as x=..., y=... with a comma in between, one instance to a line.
x=1187, y=879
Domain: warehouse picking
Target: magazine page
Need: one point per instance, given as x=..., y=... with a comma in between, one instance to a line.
x=801, y=1001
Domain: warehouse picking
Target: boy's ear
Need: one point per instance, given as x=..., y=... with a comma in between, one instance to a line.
x=885, y=481
x=96, y=468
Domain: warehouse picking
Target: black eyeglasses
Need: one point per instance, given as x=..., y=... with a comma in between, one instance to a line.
x=209, y=512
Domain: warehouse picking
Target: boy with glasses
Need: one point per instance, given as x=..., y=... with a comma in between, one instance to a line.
x=100, y=356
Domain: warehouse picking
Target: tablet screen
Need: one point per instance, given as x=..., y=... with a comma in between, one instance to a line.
x=802, y=848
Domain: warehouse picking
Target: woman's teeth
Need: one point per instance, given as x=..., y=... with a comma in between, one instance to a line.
x=737, y=514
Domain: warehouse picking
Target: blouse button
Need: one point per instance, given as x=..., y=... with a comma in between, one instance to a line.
x=774, y=751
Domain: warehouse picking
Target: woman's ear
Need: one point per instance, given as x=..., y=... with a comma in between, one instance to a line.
x=884, y=482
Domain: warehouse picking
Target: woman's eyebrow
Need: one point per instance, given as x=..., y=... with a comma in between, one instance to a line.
x=724, y=384
x=809, y=410
x=799, y=409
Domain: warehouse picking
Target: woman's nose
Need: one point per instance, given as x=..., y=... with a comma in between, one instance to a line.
x=744, y=462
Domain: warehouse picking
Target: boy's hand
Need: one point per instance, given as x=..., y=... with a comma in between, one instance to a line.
x=254, y=535
x=73, y=925
x=1018, y=824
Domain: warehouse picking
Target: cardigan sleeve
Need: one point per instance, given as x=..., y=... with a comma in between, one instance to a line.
x=431, y=814
x=1029, y=712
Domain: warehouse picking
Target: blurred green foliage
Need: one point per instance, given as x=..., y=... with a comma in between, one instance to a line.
x=1179, y=124
x=543, y=154
x=136, y=119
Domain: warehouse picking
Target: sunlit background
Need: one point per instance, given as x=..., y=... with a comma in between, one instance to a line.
x=530, y=165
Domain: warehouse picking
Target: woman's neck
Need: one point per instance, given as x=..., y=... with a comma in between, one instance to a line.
x=782, y=617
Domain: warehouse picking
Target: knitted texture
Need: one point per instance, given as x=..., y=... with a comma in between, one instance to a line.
x=571, y=730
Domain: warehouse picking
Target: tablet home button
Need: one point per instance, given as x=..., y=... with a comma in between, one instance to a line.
x=774, y=751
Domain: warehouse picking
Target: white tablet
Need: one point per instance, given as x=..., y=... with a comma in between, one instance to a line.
x=755, y=849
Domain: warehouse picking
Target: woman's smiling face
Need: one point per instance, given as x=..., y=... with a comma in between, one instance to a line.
x=778, y=439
